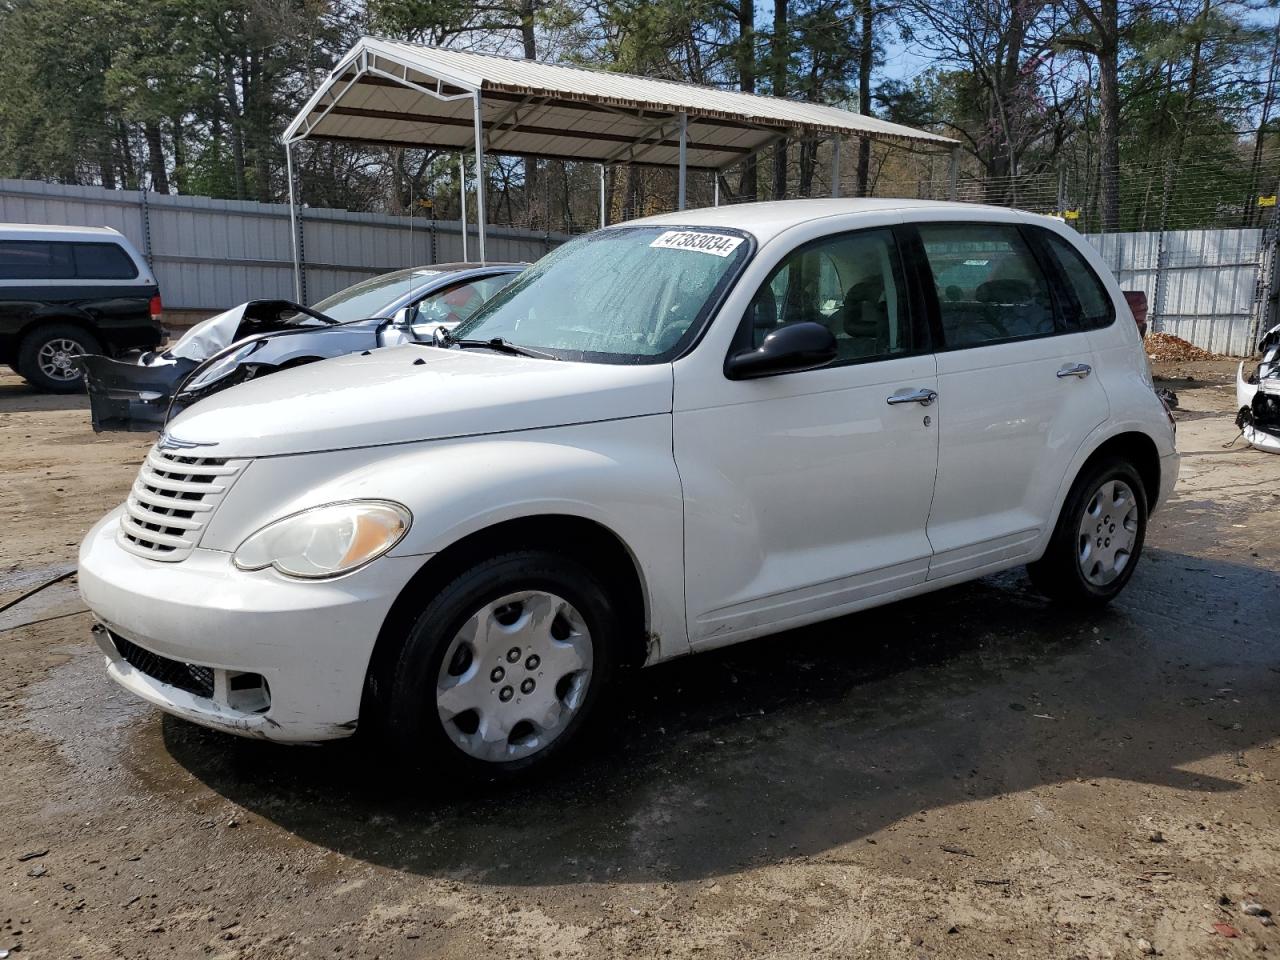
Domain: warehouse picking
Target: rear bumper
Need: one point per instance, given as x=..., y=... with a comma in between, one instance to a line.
x=310, y=642
x=1169, y=467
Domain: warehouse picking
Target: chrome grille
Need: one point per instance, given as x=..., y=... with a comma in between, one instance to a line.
x=171, y=501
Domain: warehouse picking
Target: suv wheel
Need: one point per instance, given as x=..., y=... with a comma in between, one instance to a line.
x=504, y=669
x=1099, y=536
x=47, y=357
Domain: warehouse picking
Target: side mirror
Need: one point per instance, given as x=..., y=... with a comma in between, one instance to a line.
x=792, y=347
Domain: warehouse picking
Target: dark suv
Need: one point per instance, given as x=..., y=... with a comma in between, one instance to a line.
x=68, y=291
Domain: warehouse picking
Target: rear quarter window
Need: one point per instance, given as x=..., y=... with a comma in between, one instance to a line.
x=1092, y=307
x=103, y=261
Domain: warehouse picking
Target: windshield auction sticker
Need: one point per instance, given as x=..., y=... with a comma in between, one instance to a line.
x=719, y=244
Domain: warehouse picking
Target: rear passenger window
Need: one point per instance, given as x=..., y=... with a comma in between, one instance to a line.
x=103, y=261
x=990, y=287
x=851, y=284
x=1092, y=307
x=35, y=260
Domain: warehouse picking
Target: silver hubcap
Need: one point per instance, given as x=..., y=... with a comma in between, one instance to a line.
x=514, y=676
x=1108, y=531
x=56, y=359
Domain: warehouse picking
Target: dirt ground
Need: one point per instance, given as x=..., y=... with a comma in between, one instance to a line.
x=973, y=774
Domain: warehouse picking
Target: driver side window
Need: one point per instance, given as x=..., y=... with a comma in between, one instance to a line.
x=852, y=284
x=454, y=304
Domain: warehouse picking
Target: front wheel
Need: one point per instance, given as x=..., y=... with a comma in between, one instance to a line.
x=1099, y=536
x=504, y=668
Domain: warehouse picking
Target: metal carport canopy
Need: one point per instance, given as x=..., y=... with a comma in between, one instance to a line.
x=397, y=94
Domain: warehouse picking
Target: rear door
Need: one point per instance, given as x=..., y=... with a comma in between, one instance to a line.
x=1017, y=394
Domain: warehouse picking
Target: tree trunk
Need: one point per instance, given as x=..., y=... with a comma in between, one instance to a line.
x=179, y=155
x=1109, y=112
x=107, y=164
x=236, y=116
x=155, y=157
x=530, y=164
x=808, y=151
x=1259, y=138
x=781, y=56
x=748, y=188
x=866, y=50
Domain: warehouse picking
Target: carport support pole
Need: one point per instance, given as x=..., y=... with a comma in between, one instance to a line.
x=604, y=219
x=953, y=175
x=715, y=188
x=835, y=167
x=293, y=223
x=480, y=218
x=462, y=201
x=684, y=150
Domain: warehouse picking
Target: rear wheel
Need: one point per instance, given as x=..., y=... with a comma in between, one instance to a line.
x=47, y=356
x=504, y=669
x=1099, y=536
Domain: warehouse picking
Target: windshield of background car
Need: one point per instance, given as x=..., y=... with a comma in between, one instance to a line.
x=369, y=298
x=623, y=295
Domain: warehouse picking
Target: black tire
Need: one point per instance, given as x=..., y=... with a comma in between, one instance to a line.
x=33, y=366
x=409, y=716
x=1060, y=574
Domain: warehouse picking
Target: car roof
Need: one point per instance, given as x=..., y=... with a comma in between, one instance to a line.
x=460, y=265
x=44, y=231
x=766, y=219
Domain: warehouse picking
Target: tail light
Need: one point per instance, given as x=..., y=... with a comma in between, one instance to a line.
x=156, y=308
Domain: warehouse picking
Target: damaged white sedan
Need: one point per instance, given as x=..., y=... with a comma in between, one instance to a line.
x=664, y=437
x=1258, y=396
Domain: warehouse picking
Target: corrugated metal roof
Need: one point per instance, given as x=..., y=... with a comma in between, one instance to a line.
x=559, y=111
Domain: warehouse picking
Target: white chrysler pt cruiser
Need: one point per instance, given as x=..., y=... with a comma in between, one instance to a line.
x=666, y=436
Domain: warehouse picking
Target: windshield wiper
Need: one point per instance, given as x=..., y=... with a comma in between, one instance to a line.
x=500, y=345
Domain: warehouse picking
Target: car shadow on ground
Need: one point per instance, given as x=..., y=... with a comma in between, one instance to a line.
x=795, y=744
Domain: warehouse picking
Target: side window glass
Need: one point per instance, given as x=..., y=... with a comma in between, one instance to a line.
x=1092, y=308
x=35, y=260
x=103, y=261
x=453, y=304
x=990, y=287
x=851, y=284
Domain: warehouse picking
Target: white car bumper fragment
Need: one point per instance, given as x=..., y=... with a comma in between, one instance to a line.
x=214, y=627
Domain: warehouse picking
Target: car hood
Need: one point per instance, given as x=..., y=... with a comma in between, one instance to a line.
x=413, y=392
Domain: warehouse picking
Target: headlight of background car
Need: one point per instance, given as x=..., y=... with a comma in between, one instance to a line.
x=220, y=367
x=326, y=541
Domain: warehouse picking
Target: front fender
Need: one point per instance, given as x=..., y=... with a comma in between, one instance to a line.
x=619, y=474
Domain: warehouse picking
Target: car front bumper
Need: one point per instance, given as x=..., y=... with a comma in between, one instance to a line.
x=250, y=653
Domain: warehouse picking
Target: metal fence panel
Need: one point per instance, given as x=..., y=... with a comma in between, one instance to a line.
x=1201, y=285
x=210, y=254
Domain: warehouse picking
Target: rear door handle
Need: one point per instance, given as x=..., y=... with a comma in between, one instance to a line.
x=1080, y=370
x=921, y=395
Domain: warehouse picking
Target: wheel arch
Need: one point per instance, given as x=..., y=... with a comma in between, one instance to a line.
x=35, y=323
x=588, y=541
x=1137, y=448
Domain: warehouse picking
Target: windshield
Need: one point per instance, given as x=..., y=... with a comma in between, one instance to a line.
x=369, y=298
x=623, y=295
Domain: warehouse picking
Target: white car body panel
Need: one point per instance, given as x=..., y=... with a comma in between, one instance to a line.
x=746, y=505
x=415, y=392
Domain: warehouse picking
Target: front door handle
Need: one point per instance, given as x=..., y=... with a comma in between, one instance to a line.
x=921, y=395
x=1080, y=370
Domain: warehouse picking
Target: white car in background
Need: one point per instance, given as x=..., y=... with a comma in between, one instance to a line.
x=666, y=436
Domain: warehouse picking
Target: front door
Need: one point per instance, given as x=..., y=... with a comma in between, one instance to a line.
x=1017, y=395
x=807, y=494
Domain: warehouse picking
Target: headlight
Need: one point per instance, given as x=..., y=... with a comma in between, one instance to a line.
x=326, y=541
x=220, y=367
